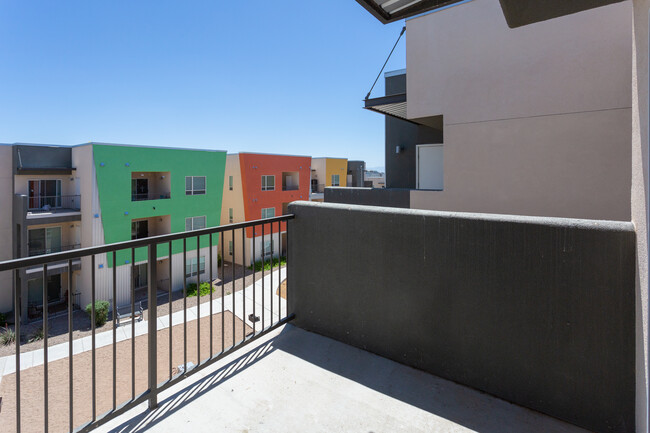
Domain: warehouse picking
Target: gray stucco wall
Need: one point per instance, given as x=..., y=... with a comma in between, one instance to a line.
x=39, y=157
x=537, y=311
x=400, y=167
x=370, y=196
x=356, y=169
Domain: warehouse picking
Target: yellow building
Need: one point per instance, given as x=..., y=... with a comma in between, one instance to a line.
x=327, y=172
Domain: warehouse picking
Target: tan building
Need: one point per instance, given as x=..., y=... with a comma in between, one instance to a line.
x=528, y=121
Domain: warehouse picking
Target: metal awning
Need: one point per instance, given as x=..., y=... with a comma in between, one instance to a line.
x=388, y=11
x=391, y=105
x=517, y=12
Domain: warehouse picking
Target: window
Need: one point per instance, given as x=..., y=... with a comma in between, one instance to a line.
x=230, y=247
x=268, y=183
x=139, y=189
x=190, y=266
x=44, y=193
x=194, y=223
x=268, y=212
x=139, y=229
x=230, y=216
x=268, y=247
x=230, y=183
x=140, y=275
x=194, y=185
x=44, y=241
x=335, y=180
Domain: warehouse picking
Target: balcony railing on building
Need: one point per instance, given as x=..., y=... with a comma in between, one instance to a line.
x=152, y=256
x=150, y=196
x=51, y=250
x=37, y=204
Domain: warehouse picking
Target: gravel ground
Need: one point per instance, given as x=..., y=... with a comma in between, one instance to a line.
x=58, y=332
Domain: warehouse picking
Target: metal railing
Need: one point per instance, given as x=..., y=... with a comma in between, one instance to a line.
x=46, y=203
x=269, y=319
x=41, y=251
x=150, y=196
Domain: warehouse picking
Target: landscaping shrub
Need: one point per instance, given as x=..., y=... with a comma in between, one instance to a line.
x=7, y=336
x=267, y=264
x=205, y=289
x=3, y=318
x=36, y=335
x=101, y=312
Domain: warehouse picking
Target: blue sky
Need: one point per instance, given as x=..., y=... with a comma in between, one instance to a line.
x=277, y=77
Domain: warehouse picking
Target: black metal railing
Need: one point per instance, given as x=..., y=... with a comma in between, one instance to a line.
x=150, y=196
x=169, y=246
x=46, y=203
x=41, y=251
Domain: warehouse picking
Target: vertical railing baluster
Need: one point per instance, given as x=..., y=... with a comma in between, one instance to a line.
x=271, y=266
x=198, y=300
x=185, y=304
x=263, y=256
x=286, y=293
x=70, y=366
x=92, y=324
x=17, y=316
x=114, y=330
x=243, y=290
x=233, y=286
x=279, y=270
x=254, y=286
x=45, y=366
x=132, y=323
x=223, y=300
x=211, y=279
x=152, y=343
x=170, y=310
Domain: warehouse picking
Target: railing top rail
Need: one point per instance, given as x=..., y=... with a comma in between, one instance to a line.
x=137, y=243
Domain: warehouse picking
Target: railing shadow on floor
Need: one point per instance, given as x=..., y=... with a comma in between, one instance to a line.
x=170, y=405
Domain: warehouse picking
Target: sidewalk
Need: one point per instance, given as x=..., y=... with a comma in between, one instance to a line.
x=244, y=297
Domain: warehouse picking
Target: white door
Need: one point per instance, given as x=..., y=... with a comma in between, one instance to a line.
x=429, y=167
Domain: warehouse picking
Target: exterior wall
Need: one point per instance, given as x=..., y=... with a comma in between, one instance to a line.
x=336, y=166
x=234, y=199
x=537, y=311
x=6, y=227
x=391, y=197
x=639, y=198
x=320, y=167
x=21, y=185
x=254, y=166
x=542, y=126
x=571, y=165
x=356, y=169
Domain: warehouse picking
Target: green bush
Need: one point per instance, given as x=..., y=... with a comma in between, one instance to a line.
x=3, y=318
x=267, y=264
x=101, y=312
x=205, y=289
x=7, y=336
x=36, y=335
x=218, y=260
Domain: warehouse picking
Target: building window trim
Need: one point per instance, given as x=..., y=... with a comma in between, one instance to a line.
x=191, y=268
x=192, y=221
x=266, y=211
x=266, y=186
x=336, y=182
x=192, y=188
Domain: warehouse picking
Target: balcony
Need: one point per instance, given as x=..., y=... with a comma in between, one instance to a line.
x=60, y=206
x=290, y=181
x=150, y=185
x=428, y=326
x=36, y=251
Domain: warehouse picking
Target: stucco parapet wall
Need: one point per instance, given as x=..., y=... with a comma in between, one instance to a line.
x=574, y=223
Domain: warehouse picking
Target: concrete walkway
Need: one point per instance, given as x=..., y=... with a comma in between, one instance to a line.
x=294, y=381
x=244, y=297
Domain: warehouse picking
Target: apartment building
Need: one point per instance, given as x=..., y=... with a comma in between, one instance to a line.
x=259, y=186
x=67, y=197
x=533, y=120
x=327, y=172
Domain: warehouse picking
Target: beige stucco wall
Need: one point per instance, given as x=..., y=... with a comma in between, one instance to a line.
x=320, y=165
x=536, y=119
x=6, y=238
x=572, y=165
x=639, y=199
x=234, y=199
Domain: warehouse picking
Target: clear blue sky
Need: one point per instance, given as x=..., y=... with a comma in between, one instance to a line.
x=278, y=77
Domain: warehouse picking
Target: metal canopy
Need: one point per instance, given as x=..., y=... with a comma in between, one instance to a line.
x=517, y=12
x=392, y=105
x=388, y=11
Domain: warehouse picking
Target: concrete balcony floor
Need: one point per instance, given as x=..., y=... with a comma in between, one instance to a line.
x=296, y=381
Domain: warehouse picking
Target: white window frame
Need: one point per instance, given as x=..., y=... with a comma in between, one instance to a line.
x=231, y=217
x=192, y=224
x=265, y=212
x=192, y=264
x=265, y=186
x=338, y=180
x=230, y=248
x=192, y=191
x=267, y=247
x=230, y=183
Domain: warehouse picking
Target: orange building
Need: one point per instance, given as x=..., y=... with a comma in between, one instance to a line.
x=258, y=186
